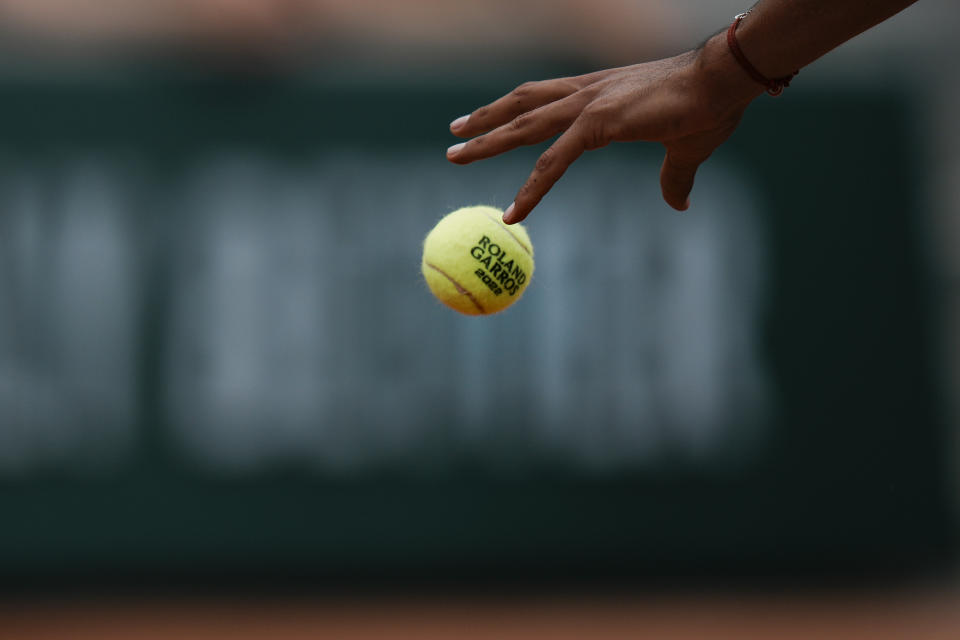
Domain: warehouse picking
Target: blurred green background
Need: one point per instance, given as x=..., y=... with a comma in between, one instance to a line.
x=218, y=360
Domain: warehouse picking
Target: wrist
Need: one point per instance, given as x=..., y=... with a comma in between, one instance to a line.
x=728, y=86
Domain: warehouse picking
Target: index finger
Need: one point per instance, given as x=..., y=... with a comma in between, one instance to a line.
x=526, y=97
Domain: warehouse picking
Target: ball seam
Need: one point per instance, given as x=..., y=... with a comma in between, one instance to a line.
x=458, y=286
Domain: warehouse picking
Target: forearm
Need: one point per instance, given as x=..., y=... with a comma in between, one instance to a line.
x=781, y=36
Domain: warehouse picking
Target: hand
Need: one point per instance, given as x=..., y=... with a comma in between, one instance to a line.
x=690, y=103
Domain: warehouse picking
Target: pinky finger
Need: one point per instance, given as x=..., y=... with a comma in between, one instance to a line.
x=550, y=166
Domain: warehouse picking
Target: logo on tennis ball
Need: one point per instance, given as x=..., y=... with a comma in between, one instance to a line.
x=498, y=273
x=473, y=244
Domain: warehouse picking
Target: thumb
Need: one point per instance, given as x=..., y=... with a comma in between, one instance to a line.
x=676, y=180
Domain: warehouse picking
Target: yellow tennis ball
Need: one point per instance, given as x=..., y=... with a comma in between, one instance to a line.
x=474, y=263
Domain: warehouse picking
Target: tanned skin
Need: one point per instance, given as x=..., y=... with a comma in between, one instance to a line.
x=690, y=103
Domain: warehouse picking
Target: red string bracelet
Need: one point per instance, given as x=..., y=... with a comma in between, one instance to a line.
x=774, y=87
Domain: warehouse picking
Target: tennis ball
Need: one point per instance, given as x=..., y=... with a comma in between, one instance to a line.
x=474, y=263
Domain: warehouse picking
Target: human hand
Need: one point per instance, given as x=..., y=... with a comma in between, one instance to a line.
x=690, y=103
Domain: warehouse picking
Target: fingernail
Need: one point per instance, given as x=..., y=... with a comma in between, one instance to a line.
x=455, y=149
x=459, y=122
x=508, y=214
x=686, y=204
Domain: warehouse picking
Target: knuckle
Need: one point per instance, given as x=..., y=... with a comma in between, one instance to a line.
x=480, y=114
x=520, y=122
x=597, y=138
x=524, y=89
x=545, y=161
x=598, y=110
x=594, y=136
x=568, y=85
x=526, y=191
x=596, y=123
x=531, y=192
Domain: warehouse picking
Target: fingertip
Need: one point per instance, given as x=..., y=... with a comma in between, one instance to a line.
x=674, y=200
x=459, y=123
x=515, y=214
x=454, y=150
x=677, y=207
x=508, y=214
